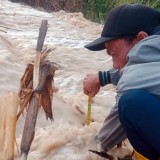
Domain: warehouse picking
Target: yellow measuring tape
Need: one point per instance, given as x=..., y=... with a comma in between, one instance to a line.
x=89, y=110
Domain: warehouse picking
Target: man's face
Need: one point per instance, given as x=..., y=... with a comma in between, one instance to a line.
x=118, y=49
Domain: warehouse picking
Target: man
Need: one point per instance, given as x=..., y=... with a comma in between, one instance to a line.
x=131, y=37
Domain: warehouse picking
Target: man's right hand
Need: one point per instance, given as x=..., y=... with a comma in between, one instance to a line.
x=91, y=84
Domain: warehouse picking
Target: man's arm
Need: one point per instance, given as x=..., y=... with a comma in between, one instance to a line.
x=108, y=77
x=93, y=82
x=112, y=132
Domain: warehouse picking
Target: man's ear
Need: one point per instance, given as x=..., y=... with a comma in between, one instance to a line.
x=141, y=35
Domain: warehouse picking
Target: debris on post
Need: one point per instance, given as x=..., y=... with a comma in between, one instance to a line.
x=36, y=90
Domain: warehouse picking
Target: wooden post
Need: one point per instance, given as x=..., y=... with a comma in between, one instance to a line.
x=8, y=113
x=40, y=42
x=32, y=112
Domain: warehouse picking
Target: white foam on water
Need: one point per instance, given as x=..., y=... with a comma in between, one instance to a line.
x=67, y=137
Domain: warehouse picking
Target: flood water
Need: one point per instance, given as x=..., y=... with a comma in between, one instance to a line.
x=68, y=137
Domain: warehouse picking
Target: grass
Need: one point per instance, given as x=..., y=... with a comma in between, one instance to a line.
x=96, y=10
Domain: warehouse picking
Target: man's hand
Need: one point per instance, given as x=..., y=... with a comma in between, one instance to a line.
x=91, y=84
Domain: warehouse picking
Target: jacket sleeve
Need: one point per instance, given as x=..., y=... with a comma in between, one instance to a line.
x=111, y=132
x=108, y=77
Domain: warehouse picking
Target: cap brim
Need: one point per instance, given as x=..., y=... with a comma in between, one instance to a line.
x=98, y=44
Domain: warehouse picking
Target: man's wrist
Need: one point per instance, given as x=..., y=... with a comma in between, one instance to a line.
x=104, y=78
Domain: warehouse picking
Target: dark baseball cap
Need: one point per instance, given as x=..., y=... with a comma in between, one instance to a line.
x=126, y=20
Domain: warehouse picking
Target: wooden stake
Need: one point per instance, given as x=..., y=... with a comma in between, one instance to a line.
x=42, y=34
x=32, y=112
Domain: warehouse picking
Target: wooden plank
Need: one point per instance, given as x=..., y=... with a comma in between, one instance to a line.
x=32, y=112
x=40, y=42
x=8, y=112
x=42, y=35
